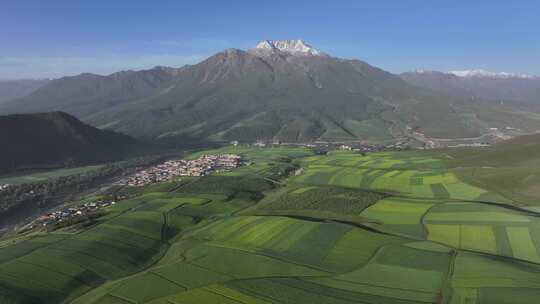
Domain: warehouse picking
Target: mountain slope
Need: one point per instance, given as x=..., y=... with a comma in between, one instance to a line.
x=498, y=87
x=510, y=168
x=12, y=89
x=285, y=90
x=86, y=93
x=56, y=138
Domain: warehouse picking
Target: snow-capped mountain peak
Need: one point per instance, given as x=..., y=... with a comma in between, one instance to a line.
x=487, y=74
x=295, y=47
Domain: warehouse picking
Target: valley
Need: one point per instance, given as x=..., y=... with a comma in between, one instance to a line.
x=203, y=152
x=293, y=226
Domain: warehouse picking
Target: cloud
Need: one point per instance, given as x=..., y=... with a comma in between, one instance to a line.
x=16, y=67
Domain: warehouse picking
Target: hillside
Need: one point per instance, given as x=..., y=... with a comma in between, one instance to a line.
x=12, y=89
x=510, y=168
x=280, y=90
x=497, y=87
x=55, y=139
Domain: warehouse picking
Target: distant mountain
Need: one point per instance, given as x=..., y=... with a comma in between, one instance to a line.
x=281, y=90
x=55, y=139
x=498, y=87
x=87, y=93
x=12, y=89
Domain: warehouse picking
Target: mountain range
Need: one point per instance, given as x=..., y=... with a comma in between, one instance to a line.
x=13, y=89
x=56, y=139
x=479, y=84
x=283, y=90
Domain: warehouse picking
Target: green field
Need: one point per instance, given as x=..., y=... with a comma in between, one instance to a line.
x=414, y=177
x=384, y=228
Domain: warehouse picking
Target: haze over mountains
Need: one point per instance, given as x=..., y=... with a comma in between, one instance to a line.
x=12, y=89
x=281, y=90
x=498, y=87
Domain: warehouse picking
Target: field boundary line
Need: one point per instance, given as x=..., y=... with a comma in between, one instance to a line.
x=39, y=283
x=122, y=298
x=423, y=220
x=88, y=255
x=316, y=291
x=58, y=272
x=393, y=288
x=279, y=258
x=449, y=276
x=208, y=289
x=31, y=251
x=151, y=271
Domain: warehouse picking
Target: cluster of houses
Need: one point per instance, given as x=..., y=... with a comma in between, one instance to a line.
x=360, y=147
x=3, y=187
x=70, y=213
x=369, y=148
x=168, y=170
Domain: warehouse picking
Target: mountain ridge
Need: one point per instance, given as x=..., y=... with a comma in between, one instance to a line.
x=498, y=87
x=13, y=89
x=267, y=93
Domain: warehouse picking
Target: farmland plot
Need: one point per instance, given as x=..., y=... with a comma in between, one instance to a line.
x=378, y=229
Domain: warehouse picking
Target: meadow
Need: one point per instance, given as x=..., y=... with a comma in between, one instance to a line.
x=43, y=175
x=395, y=227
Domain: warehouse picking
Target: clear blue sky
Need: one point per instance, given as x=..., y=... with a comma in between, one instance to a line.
x=44, y=38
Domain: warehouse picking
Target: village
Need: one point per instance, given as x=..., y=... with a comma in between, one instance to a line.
x=170, y=169
x=319, y=146
x=70, y=213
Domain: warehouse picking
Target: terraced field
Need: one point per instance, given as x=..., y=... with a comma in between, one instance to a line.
x=383, y=228
x=407, y=174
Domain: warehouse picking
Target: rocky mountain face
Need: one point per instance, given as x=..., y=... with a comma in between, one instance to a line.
x=479, y=84
x=55, y=139
x=13, y=89
x=280, y=90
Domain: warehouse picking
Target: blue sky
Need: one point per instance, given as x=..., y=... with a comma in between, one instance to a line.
x=44, y=38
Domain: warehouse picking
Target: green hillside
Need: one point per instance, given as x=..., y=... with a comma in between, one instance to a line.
x=510, y=168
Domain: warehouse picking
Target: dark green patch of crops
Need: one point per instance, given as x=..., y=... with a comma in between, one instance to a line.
x=439, y=191
x=24, y=247
x=515, y=295
x=503, y=243
x=333, y=199
x=227, y=185
x=293, y=291
x=315, y=245
x=414, y=258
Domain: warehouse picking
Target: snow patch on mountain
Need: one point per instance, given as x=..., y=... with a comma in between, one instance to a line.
x=294, y=47
x=487, y=74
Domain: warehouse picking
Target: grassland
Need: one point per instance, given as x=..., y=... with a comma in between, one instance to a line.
x=510, y=168
x=42, y=175
x=384, y=228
